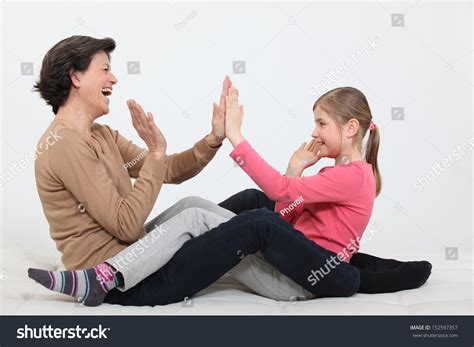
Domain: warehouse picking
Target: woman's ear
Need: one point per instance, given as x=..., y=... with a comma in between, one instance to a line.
x=75, y=78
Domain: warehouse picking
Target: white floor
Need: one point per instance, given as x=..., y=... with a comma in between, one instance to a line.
x=448, y=292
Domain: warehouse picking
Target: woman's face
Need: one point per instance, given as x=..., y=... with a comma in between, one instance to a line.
x=328, y=132
x=95, y=85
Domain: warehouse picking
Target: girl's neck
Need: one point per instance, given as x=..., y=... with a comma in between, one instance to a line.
x=347, y=157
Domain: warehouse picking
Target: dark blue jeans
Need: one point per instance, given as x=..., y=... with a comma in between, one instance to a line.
x=204, y=259
x=249, y=199
x=378, y=275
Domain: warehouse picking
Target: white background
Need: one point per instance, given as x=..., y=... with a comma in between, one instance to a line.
x=185, y=49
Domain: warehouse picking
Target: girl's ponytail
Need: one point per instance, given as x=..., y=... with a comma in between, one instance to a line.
x=371, y=152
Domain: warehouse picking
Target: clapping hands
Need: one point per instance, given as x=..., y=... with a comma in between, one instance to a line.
x=218, y=116
x=234, y=114
x=144, y=124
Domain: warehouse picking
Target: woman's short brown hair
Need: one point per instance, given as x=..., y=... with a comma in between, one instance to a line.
x=72, y=53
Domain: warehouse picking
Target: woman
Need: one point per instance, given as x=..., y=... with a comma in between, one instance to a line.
x=94, y=212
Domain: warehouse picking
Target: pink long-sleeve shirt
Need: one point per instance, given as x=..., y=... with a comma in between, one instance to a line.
x=331, y=208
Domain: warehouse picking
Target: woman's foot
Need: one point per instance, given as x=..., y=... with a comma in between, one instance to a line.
x=89, y=286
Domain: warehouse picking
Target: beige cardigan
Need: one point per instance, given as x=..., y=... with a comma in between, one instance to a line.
x=88, y=199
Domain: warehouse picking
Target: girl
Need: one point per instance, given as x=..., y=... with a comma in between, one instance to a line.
x=333, y=207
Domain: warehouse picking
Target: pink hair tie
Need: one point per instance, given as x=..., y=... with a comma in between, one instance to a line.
x=372, y=126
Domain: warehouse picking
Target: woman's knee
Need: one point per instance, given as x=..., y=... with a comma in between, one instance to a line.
x=192, y=201
x=201, y=220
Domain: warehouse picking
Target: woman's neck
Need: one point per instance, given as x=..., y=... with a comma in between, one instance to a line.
x=73, y=117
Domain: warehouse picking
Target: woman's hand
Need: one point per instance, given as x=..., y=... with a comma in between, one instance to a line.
x=305, y=156
x=234, y=115
x=215, y=138
x=147, y=129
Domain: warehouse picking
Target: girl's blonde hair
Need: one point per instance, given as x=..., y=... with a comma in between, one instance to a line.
x=344, y=103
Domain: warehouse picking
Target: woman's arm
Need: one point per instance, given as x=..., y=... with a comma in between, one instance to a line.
x=179, y=166
x=187, y=164
x=75, y=163
x=184, y=165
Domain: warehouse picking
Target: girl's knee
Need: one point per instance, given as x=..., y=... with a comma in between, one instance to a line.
x=253, y=193
x=264, y=215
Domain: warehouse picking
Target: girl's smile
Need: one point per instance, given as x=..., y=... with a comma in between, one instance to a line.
x=336, y=141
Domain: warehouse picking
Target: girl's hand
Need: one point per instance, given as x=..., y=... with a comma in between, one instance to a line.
x=147, y=129
x=234, y=114
x=217, y=135
x=305, y=156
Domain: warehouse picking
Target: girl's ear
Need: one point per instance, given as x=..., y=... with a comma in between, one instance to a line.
x=75, y=78
x=352, y=127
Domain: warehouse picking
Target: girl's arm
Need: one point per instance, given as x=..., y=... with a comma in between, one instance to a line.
x=337, y=184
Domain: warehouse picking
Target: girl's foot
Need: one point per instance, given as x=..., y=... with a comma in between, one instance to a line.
x=409, y=275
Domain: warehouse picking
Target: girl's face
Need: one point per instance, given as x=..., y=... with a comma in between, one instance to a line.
x=95, y=85
x=328, y=132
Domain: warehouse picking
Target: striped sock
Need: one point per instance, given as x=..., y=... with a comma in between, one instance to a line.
x=89, y=286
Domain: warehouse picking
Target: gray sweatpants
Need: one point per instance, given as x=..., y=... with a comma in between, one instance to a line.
x=188, y=218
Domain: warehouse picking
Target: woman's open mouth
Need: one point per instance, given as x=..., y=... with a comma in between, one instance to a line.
x=107, y=92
